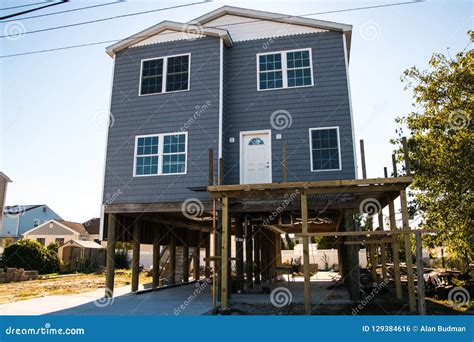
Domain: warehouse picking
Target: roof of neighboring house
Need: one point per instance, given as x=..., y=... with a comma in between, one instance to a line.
x=92, y=226
x=78, y=227
x=20, y=209
x=198, y=26
x=83, y=244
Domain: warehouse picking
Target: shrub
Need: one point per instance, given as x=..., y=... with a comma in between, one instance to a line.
x=122, y=260
x=53, y=247
x=31, y=255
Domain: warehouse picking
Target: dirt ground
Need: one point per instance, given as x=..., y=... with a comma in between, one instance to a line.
x=12, y=292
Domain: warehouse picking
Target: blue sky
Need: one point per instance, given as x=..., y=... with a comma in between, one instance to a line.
x=52, y=104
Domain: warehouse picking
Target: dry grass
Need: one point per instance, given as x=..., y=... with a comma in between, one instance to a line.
x=79, y=283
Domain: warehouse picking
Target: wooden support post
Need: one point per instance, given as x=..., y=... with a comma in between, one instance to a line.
x=197, y=256
x=419, y=275
x=383, y=255
x=352, y=280
x=283, y=162
x=394, y=165
x=249, y=254
x=208, y=257
x=220, y=171
x=135, y=255
x=258, y=255
x=211, y=167
x=109, y=280
x=406, y=156
x=373, y=262
x=362, y=157
x=408, y=252
x=277, y=258
x=224, y=252
x=172, y=262
x=395, y=251
x=307, y=276
x=218, y=251
x=385, y=172
x=186, y=257
x=156, y=258
x=239, y=253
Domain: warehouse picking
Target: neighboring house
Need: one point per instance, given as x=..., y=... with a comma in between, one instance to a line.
x=92, y=227
x=57, y=231
x=20, y=218
x=4, y=180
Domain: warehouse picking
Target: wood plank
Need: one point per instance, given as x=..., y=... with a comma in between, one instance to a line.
x=283, y=163
x=366, y=233
x=224, y=253
x=395, y=251
x=406, y=156
x=408, y=252
x=211, y=167
x=383, y=256
x=362, y=158
x=366, y=242
x=419, y=275
x=156, y=258
x=135, y=255
x=172, y=262
x=307, y=276
x=394, y=165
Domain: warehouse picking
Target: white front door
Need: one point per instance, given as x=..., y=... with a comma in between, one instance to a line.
x=256, y=157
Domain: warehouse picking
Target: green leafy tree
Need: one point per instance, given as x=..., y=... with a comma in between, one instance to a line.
x=441, y=150
x=31, y=255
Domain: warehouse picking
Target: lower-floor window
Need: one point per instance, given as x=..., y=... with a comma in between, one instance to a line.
x=160, y=154
x=41, y=241
x=325, y=151
x=60, y=241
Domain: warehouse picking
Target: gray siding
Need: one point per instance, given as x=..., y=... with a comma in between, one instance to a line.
x=162, y=113
x=324, y=104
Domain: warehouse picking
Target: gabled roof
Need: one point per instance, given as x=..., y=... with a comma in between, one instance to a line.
x=5, y=176
x=82, y=244
x=92, y=226
x=78, y=227
x=164, y=26
x=20, y=209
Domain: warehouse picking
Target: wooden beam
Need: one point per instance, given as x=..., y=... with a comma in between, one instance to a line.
x=307, y=276
x=395, y=251
x=408, y=252
x=419, y=275
x=207, y=256
x=224, y=253
x=362, y=157
x=110, y=263
x=394, y=165
x=406, y=156
x=186, y=260
x=172, y=262
x=156, y=258
x=283, y=163
x=258, y=255
x=367, y=242
x=383, y=256
x=135, y=255
x=239, y=253
x=211, y=167
x=366, y=233
x=373, y=263
x=248, y=253
x=196, y=257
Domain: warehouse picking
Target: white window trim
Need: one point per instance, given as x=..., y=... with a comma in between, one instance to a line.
x=160, y=154
x=338, y=147
x=165, y=74
x=284, y=68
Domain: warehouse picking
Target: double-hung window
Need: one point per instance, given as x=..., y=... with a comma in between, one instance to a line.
x=160, y=154
x=325, y=149
x=285, y=69
x=165, y=74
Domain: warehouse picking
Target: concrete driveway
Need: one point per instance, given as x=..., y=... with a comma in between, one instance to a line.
x=192, y=299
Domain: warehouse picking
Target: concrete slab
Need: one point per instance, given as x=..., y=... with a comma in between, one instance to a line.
x=193, y=299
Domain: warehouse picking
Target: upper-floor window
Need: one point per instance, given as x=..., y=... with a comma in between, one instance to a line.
x=165, y=74
x=325, y=149
x=285, y=69
x=160, y=154
x=36, y=222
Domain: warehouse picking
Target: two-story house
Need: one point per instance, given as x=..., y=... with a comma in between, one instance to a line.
x=236, y=98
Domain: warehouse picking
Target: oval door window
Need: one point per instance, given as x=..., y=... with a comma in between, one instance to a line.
x=256, y=141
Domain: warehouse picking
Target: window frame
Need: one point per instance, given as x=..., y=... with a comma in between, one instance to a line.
x=160, y=154
x=165, y=74
x=311, y=147
x=284, y=68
